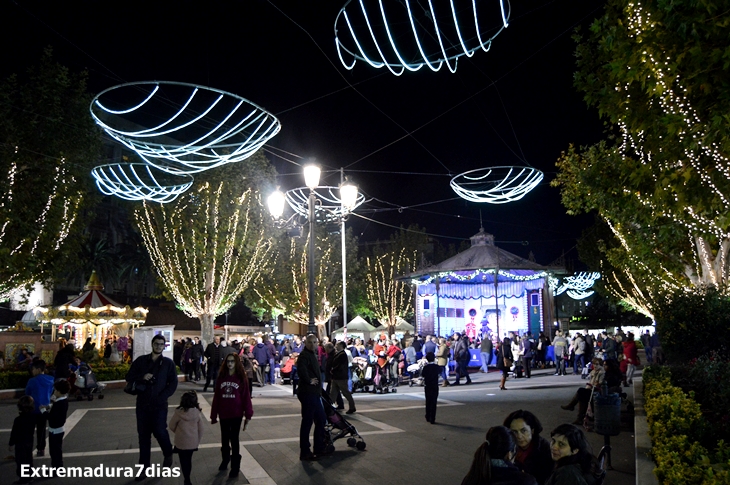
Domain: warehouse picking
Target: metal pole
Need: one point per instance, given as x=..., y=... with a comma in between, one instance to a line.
x=312, y=328
x=496, y=289
x=344, y=268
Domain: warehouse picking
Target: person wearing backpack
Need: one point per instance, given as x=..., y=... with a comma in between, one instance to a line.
x=579, y=345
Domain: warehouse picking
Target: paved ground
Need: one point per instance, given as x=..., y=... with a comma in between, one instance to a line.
x=401, y=446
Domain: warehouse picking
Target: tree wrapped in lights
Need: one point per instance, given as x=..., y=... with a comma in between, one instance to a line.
x=662, y=183
x=285, y=290
x=388, y=297
x=47, y=145
x=212, y=243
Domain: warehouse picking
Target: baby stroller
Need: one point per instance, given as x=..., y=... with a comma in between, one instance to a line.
x=338, y=427
x=360, y=378
x=586, y=370
x=414, y=373
x=286, y=370
x=84, y=384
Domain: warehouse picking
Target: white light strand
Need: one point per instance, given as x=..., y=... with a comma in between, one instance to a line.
x=210, y=128
x=382, y=51
x=496, y=185
x=138, y=181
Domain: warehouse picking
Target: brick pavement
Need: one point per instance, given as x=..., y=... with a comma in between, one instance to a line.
x=401, y=446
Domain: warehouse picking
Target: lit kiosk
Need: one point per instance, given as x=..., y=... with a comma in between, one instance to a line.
x=483, y=289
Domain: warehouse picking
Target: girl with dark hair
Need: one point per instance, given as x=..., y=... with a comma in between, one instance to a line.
x=492, y=464
x=187, y=424
x=574, y=462
x=231, y=401
x=533, y=451
x=504, y=360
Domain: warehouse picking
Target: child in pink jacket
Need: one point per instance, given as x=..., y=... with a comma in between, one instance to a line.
x=187, y=424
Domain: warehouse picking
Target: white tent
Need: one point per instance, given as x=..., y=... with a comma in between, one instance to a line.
x=357, y=328
x=403, y=326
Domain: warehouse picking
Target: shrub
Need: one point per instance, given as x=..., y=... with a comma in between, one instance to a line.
x=14, y=379
x=676, y=428
x=694, y=322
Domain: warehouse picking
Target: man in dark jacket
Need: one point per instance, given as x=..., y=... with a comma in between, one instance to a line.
x=340, y=373
x=214, y=355
x=309, y=393
x=196, y=354
x=461, y=356
x=155, y=378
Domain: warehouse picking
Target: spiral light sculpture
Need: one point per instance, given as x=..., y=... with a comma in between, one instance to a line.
x=183, y=128
x=496, y=185
x=140, y=181
x=409, y=34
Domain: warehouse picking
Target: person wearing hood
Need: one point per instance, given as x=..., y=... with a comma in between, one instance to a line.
x=40, y=388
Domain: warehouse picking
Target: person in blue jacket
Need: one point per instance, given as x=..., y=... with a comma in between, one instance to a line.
x=40, y=388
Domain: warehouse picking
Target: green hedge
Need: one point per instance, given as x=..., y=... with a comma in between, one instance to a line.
x=14, y=379
x=676, y=429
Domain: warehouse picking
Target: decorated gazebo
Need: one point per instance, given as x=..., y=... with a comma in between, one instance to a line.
x=482, y=290
x=93, y=314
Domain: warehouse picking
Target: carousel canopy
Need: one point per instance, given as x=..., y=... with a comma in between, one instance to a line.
x=93, y=307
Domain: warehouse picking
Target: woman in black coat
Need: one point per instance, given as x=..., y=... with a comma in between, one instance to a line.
x=64, y=358
x=504, y=352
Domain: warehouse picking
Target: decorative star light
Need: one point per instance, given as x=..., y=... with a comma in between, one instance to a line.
x=496, y=185
x=329, y=206
x=409, y=34
x=139, y=181
x=195, y=128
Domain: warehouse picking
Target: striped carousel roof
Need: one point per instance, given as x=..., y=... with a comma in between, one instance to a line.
x=92, y=296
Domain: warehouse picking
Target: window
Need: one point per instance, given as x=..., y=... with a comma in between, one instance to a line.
x=450, y=312
x=535, y=299
x=426, y=304
x=442, y=312
x=459, y=313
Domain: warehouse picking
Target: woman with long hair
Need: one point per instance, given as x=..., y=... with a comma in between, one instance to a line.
x=532, y=454
x=231, y=402
x=630, y=360
x=492, y=464
x=574, y=462
x=504, y=360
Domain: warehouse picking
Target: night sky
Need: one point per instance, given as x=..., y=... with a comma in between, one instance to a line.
x=516, y=103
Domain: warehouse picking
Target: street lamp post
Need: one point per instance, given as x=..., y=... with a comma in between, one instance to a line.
x=335, y=207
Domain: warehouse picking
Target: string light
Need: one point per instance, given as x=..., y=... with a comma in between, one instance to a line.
x=428, y=42
x=203, y=127
x=496, y=185
x=479, y=273
x=206, y=267
x=389, y=297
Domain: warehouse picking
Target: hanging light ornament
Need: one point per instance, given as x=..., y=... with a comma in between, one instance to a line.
x=579, y=285
x=496, y=185
x=195, y=127
x=427, y=33
x=139, y=181
x=329, y=203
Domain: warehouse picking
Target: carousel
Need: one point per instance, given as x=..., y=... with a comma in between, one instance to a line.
x=93, y=314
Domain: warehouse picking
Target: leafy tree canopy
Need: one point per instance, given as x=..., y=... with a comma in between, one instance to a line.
x=48, y=144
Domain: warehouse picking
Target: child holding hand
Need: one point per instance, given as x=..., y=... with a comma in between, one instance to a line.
x=56, y=413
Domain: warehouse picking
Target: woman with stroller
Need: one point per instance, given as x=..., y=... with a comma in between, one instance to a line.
x=574, y=462
x=492, y=463
x=532, y=455
x=232, y=403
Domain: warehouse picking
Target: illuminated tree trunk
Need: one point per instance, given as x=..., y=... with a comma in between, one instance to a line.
x=206, y=328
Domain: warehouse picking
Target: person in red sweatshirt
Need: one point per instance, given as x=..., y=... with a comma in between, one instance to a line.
x=231, y=402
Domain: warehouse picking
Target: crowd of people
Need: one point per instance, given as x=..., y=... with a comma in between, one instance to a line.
x=512, y=453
